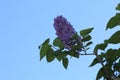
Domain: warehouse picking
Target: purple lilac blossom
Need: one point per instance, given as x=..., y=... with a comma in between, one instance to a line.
x=64, y=31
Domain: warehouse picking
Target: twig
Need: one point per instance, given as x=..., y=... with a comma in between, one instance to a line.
x=87, y=54
x=104, y=70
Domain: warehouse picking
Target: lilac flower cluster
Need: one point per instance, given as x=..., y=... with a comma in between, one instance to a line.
x=64, y=31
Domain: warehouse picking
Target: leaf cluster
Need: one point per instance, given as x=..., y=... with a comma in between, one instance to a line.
x=58, y=51
x=109, y=58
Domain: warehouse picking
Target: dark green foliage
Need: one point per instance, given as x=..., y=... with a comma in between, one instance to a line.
x=95, y=61
x=112, y=55
x=57, y=50
x=44, y=48
x=46, y=41
x=114, y=39
x=100, y=46
x=88, y=44
x=85, y=32
x=116, y=67
x=118, y=7
x=76, y=36
x=114, y=21
x=108, y=58
x=65, y=62
x=108, y=70
x=50, y=56
x=60, y=55
x=57, y=42
x=86, y=38
x=100, y=74
x=73, y=53
x=105, y=72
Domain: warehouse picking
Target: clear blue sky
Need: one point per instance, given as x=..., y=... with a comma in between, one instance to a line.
x=25, y=24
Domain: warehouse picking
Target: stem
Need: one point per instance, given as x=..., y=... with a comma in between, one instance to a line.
x=54, y=47
x=107, y=76
x=101, y=62
x=87, y=54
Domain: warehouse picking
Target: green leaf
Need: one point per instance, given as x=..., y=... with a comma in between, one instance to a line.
x=46, y=41
x=75, y=36
x=88, y=44
x=117, y=67
x=76, y=47
x=100, y=46
x=114, y=21
x=58, y=42
x=118, y=7
x=50, y=55
x=115, y=38
x=65, y=62
x=100, y=74
x=60, y=55
x=112, y=55
x=108, y=71
x=118, y=16
x=43, y=50
x=95, y=61
x=73, y=53
x=87, y=38
x=85, y=32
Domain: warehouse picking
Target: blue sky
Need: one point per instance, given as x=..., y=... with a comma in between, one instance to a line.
x=25, y=24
